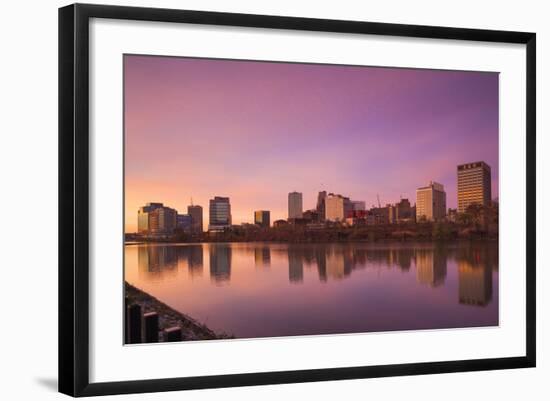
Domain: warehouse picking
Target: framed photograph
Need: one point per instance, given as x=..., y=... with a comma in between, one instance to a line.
x=251, y=199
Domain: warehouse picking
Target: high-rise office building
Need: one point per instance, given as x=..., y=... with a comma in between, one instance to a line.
x=295, y=207
x=156, y=219
x=162, y=221
x=334, y=207
x=143, y=216
x=196, y=215
x=321, y=204
x=474, y=185
x=220, y=214
x=348, y=207
x=262, y=218
x=431, y=202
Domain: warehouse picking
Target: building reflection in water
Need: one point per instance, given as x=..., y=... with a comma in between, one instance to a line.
x=338, y=262
x=475, y=281
x=403, y=258
x=157, y=261
x=338, y=265
x=262, y=256
x=431, y=266
x=475, y=263
x=295, y=265
x=220, y=262
x=193, y=255
x=321, y=258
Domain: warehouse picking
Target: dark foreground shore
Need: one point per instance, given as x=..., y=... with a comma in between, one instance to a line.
x=168, y=317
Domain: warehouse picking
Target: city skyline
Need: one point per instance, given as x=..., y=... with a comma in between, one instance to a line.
x=430, y=206
x=197, y=128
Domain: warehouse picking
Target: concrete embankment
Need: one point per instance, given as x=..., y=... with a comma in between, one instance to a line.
x=168, y=317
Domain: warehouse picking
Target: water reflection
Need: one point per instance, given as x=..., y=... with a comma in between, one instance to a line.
x=475, y=284
x=220, y=262
x=335, y=262
x=192, y=254
x=156, y=261
x=262, y=289
x=295, y=266
x=431, y=266
x=262, y=256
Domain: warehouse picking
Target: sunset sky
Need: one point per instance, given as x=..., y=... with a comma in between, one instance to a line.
x=254, y=131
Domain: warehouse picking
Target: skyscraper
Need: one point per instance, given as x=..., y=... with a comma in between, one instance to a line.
x=220, y=214
x=334, y=207
x=321, y=204
x=474, y=185
x=143, y=216
x=162, y=221
x=156, y=219
x=431, y=202
x=262, y=218
x=196, y=215
x=295, y=207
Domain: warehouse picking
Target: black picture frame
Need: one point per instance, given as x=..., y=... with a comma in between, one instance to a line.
x=74, y=202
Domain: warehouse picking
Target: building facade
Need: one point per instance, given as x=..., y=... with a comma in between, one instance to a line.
x=358, y=205
x=262, y=218
x=403, y=212
x=195, y=211
x=474, y=185
x=334, y=208
x=295, y=205
x=143, y=216
x=431, y=202
x=321, y=205
x=156, y=219
x=380, y=215
x=312, y=216
x=219, y=213
x=184, y=222
x=162, y=221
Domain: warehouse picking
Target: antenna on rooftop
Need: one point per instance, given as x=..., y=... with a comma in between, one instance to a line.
x=378, y=197
x=191, y=201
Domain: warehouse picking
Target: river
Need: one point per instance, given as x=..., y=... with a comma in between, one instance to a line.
x=274, y=289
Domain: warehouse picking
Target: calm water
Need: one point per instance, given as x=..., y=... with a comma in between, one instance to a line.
x=265, y=290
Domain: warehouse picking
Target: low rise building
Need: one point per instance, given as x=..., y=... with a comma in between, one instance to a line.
x=262, y=218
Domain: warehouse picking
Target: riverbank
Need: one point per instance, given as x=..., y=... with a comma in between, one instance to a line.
x=410, y=232
x=192, y=330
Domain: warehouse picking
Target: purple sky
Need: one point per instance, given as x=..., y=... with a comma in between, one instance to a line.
x=255, y=131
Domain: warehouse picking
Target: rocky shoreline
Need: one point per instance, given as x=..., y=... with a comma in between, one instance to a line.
x=192, y=330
